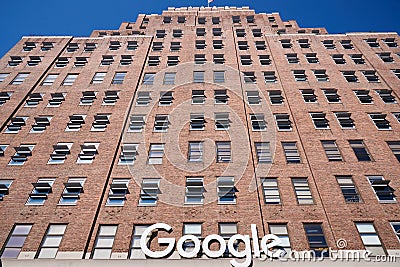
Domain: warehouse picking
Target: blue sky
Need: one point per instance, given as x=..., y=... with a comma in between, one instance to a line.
x=80, y=17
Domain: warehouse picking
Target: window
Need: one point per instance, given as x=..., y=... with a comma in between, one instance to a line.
x=40, y=192
x=372, y=42
x=263, y=152
x=149, y=192
x=3, y=76
x=370, y=238
x=2, y=150
x=386, y=96
x=329, y=44
x=345, y=120
x=200, y=44
x=177, y=33
x=291, y=152
x=153, y=61
x=70, y=79
x=200, y=31
x=195, y=153
x=35, y=60
x=114, y=45
x=161, y=123
x=104, y=242
x=316, y=239
x=166, y=98
x=390, y=42
x=158, y=46
x=198, y=76
x=363, y=96
x=218, y=44
x=397, y=116
x=223, y=151
x=249, y=77
x=320, y=121
x=350, y=76
x=51, y=241
x=198, y=97
x=338, y=59
x=271, y=191
x=128, y=154
x=235, y=19
x=172, y=60
x=117, y=193
x=149, y=78
x=269, y=76
x=380, y=121
x=321, y=75
x=219, y=76
x=299, y=75
x=283, y=122
x=75, y=122
x=107, y=60
x=191, y=229
x=88, y=153
x=222, y=121
x=258, y=122
x=4, y=97
x=275, y=97
x=218, y=58
x=292, y=58
x=357, y=58
x=396, y=228
x=260, y=45
x=395, y=147
x=169, y=78
x=110, y=97
x=226, y=190
x=197, y=121
x=217, y=32
x=312, y=58
x=132, y=45
x=331, y=95
x=245, y=60
x=215, y=20
x=160, y=33
x=286, y=43
x=303, y=43
x=200, y=59
x=302, y=190
x=227, y=230
x=243, y=45
x=221, y=97
x=88, y=98
x=16, y=241
x=90, y=47
x=257, y=32
x=143, y=99
x=46, y=46
x=34, y=100
x=29, y=46
x=331, y=150
x=253, y=97
x=15, y=125
x=280, y=230
x=371, y=76
x=360, y=150
x=4, y=184
x=137, y=123
x=72, y=190
x=175, y=46
x=240, y=33
x=346, y=44
x=167, y=19
x=125, y=60
x=136, y=252
x=72, y=47
x=309, y=95
x=19, y=79
x=194, y=190
x=348, y=188
x=156, y=153
x=41, y=124
x=100, y=122
x=118, y=78
x=201, y=20
x=385, y=56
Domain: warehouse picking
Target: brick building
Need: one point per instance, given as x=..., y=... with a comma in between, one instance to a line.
x=208, y=120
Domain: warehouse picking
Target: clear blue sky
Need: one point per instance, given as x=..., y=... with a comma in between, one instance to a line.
x=80, y=17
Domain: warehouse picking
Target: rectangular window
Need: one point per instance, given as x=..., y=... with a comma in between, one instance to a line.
x=380, y=121
x=260, y=45
x=331, y=150
x=195, y=153
x=370, y=238
x=70, y=79
x=348, y=188
x=16, y=124
x=226, y=190
x=291, y=152
x=397, y=116
x=29, y=46
x=167, y=19
x=302, y=190
x=271, y=191
x=345, y=120
x=75, y=122
x=221, y=97
x=390, y=42
x=350, y=76
x=72, y=190
x=88, y=98
x=16, y=241
x=51, y=241
x=197, y=121
x=62, y=62
x=35, y=60
x=40, y=192
x=245, y=60
x=136, y=252
x=107, y=60
x=143, y=99
x=250, y=77
x=118, y=78
x=386, y=96
x=346, y=44
x=320, y=121
x=283, y=122
x=363, y=96
x=191, y=229
x=357, y=59
x=299, y=75
x=264, y=59
x=200, y=44
x=72, y=47
x=371, y=76
x=137, y=123
x=200, y=31
x=46, y=46
x=100, y=122
x=201, y=20
x=286, y=43
x=321, y=75
x=149, y=192
x=198, y=97
x=161, y=123
x=177, y=33
x=114, y=45
x=60, y=152
x=40, y=124
x=50, y=79
x=153, y=61
x=235, y=19
x=385, y=57
x=175, y=46
x=253, y=97
x=332, y=95
x=215, y=20
x=384, y=192
x=198, y=76
x=200, y=59
x=219, y=76
x=172, y=60
x=118, y=192
x=396, y=229
x=292, y=58
x=258, y=122
x=156, y=154
x=80, y=61
x=128, y=154
x=240, y=32
x=22, y=153
x=4, y=97
x=110, y=97
x=222, y=121
x=223, y=151
x=3, y=76
x=227, y=230
x=90, y=47
x=280, y=230
x=34, y=100
x=338, y=59
x=104, y=242
x=4, y=184
x=166, y=98
x=149, y=78
x=372, y=42
x=360, y=150
x=316, y=239
x=132, y=45
x=309, y=95
x=263, y=152
x=395, y=147
x=275, y=96
x=257, y=32
x=312, y=58
x=125, y=60
x=329, y=44
x=19, y=79
x=160, y=33
x=194, y=190
x=242, y=45
x=303, y=43
x=218, y=59
x=88, y=153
